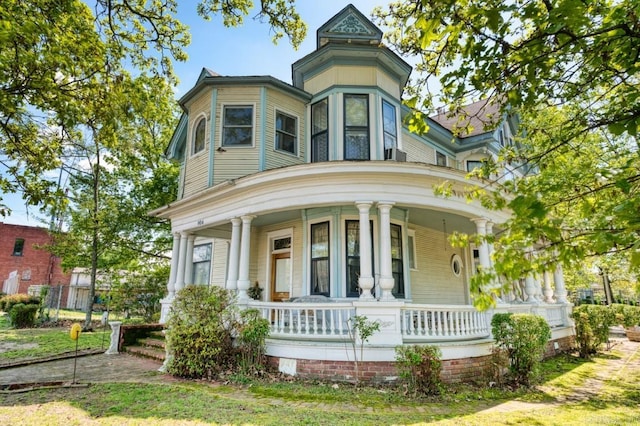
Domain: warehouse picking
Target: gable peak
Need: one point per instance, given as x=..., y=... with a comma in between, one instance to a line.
x=348, y=26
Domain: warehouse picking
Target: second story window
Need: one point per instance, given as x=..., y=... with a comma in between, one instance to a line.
x=356, y=127
x=320, y=131
x=441, y=159
x=18, y=247
x=286, y=133
x=237, y=126
x=198, y=136
x=473, y=164
x=389, y=128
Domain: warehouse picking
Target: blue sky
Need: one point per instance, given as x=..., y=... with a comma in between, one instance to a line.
x=245, y=50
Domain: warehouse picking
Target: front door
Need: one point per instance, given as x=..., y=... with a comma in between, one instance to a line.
x=280, y=276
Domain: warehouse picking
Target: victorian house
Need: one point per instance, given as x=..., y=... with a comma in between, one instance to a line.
x=317, y=193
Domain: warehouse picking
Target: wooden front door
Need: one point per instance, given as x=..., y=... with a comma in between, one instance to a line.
x=280, y=276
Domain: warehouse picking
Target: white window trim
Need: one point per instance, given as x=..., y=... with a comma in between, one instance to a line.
x=275, y=131
x=373, y=217
x=446, y=158
x=411, y=236
x=192, y=135
x=397, y=124
x=253, y=125
x=306, y=290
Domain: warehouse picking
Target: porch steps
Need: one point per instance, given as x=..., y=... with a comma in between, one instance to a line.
x=152, y=347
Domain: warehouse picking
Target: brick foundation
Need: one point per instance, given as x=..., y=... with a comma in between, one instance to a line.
x=461, y=370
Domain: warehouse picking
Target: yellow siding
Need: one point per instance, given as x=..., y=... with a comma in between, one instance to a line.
x=417, y=151
x=219, y=267
x=434, y=281
x=197, y=166
x=277, y=100
x=352, y=76
x=237, y=162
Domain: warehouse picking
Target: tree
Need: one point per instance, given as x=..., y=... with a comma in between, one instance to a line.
x=569, y=69
x=51, y=52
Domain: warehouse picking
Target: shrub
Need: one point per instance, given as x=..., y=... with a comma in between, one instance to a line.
x=253, y=332
x=524, y=337
x=592, y=324
x=420, y=367
x=208, y=337
x=8, y=301
x=23, y=316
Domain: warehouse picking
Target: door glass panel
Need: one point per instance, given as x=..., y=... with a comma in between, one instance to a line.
x=283, y=275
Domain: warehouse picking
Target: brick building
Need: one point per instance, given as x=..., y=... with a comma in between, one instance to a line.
x=23, y=264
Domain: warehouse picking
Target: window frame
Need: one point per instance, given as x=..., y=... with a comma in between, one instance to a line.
x=18, y=247
x=278, y=132
x=200, y=119
x=356, y=128
x=440, y=155
x=347, y=256
x=324, y=132
x=385, y=132
x=398, y=276
x=313, y=260
x=479, y=164
x=411, y=246
x=225, y=126
x=194, y=263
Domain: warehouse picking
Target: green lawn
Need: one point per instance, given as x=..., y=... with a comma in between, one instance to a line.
x=40, y=342
x=605, y=390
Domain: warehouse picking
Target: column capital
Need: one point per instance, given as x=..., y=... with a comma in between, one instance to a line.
x=481, y=224
x=247, y=218
x=191, y=238
x=382, y=204
x=236, y=221
x=364, y=206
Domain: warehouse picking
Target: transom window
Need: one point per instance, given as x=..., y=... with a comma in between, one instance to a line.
x=237, y=126
x=286, y=133
x=320, y=258
x=201, y=264
x=356, y=127
x=441, y=159
x=320, y=131
x=389, y=128
x=18, y=247
x=198, y=136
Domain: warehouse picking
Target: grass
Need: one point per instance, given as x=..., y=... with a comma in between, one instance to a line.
x=41, y=342
x=560, y=398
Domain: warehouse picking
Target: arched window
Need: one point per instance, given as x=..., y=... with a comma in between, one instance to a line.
x=198, y=136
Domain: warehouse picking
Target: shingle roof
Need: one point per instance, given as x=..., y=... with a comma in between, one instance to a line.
x=480, y=116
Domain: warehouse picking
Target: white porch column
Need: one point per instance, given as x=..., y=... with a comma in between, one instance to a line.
x=558, y=279
x=175, y=253
x=167, y=301
x=234, y=253
x=365, y=281
x=182, y=258
x=243, y=268
x=188, y=265
x=547, y=291
x=386, y=273
x=483, y=250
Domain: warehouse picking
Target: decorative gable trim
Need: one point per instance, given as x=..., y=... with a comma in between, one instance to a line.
x=348, y=26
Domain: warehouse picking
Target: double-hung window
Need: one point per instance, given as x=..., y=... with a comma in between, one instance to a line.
x=389, y=128
x=320, y=131
x=18, y=247
x=198, y=136
x=356, y=127
x=320, y=258
x=201, y=264
x=397, y=268
x=352, y=260
x=441, y=159
x=473, y=164
x=286, y=133
x=237, y=126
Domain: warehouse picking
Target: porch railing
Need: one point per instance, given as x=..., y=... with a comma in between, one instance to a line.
x=438, y=323
x=322, y=320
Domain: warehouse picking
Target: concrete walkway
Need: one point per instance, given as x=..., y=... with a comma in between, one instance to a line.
x=89, y=369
